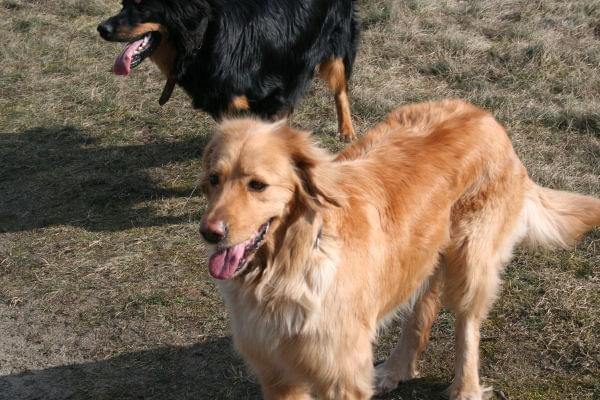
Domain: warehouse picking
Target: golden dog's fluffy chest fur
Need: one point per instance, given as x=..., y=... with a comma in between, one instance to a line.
x=279, y=319
x=433, y=199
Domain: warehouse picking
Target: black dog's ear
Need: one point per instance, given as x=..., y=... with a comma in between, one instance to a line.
x=187, y=22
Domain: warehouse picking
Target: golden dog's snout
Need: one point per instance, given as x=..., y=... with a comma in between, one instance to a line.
x=213, y=231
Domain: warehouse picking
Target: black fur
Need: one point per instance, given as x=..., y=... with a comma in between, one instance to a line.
x=266, y=50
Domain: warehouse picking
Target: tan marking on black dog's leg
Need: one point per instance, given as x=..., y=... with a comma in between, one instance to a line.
x=333, y=72
x=238, y=103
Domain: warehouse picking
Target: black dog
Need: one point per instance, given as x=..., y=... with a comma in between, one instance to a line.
x=241, y=55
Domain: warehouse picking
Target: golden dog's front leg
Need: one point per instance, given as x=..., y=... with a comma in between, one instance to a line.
x=275, y=386
x=348, y=375
x=401, y=365
x=273, y=391
x=275, y=382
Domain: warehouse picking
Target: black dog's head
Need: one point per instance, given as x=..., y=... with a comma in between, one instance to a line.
x=167, y=31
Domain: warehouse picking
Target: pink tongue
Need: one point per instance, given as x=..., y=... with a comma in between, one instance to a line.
x=123, y=62
x=222, y=264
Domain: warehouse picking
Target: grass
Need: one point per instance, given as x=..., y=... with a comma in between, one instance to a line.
x=103, y=287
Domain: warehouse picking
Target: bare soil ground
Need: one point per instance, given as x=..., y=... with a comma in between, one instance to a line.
x=104, y=292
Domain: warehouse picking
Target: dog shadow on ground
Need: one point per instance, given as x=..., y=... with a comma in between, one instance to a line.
x=62, y=176
x=417, y=389
x=208, y=370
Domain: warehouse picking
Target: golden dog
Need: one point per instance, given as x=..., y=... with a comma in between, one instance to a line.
x=313, y=253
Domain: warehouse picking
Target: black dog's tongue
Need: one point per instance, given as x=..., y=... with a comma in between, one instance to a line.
x=167, y=91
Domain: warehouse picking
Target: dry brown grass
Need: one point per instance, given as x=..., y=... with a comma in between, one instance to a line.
x=103, y=288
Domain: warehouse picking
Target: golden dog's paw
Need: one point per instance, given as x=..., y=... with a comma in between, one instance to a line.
x=387, y=379
x=479, y=393
x=385, y=383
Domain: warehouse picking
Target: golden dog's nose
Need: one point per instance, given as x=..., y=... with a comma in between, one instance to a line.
x=213, y=231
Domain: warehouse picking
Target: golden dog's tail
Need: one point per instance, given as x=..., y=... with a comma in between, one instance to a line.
x=557, y=219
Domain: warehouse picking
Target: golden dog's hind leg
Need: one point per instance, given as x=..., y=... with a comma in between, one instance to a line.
x=466, y=379
x=333, y=72
x=401, y=365
x=470, y=286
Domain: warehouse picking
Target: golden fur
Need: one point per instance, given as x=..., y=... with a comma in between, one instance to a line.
x=425, y=209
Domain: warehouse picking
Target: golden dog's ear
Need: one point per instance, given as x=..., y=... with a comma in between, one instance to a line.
x=207, y=160
x=313, y=165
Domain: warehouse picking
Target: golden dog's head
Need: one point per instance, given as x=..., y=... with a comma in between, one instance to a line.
x=256, y=175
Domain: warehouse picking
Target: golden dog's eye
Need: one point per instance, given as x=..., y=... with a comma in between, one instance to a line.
x=257, y=186
x=213, y=179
